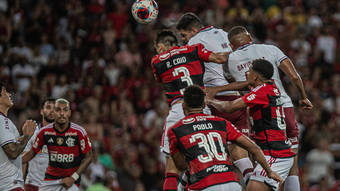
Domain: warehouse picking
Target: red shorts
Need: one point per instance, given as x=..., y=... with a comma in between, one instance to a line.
x=30, y=187
x=292, y=129
x=237, y=118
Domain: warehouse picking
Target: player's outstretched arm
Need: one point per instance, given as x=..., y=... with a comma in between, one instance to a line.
x=226, y=106
x=14, y=149
x=219, y=58
x=236, y=86
x=288, y=68
x=250, y=146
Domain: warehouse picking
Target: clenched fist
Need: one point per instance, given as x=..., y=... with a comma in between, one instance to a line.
x=29, y=127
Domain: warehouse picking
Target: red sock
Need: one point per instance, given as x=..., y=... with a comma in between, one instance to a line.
x=170, y=183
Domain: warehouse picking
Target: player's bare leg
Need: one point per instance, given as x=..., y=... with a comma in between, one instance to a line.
x=254, y=185
x=171, y=175
x=241, y=161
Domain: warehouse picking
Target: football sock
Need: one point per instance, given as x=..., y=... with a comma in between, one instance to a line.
x=170, y=183
x=292, y=183
x=245, y=166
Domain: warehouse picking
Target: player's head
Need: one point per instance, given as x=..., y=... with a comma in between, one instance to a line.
x=165, y=40
x=193, y=100
x=239, y=36
x=47, y=110
x=188, y=26
x=62, y=111
x=260, y=71
x=5, y=97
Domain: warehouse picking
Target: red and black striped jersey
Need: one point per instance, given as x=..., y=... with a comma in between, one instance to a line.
x=66, y=149
x=269, y=126
x=202, y=139
x=179, y=68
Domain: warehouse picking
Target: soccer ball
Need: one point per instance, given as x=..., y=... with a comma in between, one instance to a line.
x=144, y=11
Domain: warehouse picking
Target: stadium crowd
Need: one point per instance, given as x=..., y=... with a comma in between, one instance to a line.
x=94, y=54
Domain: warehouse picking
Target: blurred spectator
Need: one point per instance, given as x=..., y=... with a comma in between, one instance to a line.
x=320, y=163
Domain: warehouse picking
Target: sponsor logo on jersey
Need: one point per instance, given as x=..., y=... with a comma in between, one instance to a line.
x=49, y=133
x=50, y=140
x=71, y=134
x=203, y=118
x=55, y=157
x=218, y=168
x=60, y=140
x=70, y=142
x=188, y=121
x=35, y=145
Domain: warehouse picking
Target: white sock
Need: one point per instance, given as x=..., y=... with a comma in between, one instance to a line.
x=292, y=183
x=245, y=166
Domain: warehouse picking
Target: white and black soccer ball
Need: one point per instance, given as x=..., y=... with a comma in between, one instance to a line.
x=144, y=11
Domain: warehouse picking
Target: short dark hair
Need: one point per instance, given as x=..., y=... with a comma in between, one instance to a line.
x=263, y=67
x=235, y=31
x=194, y=96
x=189, y=21
x=167, y=37
x=47, y=100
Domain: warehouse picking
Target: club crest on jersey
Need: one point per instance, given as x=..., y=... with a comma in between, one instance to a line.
x=60, y=141
x=70, y=142
x=188, y=121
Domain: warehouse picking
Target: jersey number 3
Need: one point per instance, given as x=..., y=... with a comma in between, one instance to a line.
x=207, y=142
x=185, y=78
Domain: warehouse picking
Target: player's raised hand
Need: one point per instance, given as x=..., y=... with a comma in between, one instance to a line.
x=29, y=127
x=305, y=104
x=67, y=182
x=275, y=176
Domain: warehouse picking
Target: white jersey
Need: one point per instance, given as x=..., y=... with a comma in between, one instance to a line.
x=240, y=60
x=215, y=40
x=38, y=165
x=10, y=170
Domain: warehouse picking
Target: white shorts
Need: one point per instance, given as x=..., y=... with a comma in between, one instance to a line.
x=279, y=165
x=176, y=113
x=231, y=186
x=55, y=185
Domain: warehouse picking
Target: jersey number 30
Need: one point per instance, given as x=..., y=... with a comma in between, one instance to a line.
x=185, y=78
x=208, y=143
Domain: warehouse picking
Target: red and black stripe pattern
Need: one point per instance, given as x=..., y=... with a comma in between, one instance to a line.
x=202, y=139
x=179, y=68
x=268, y=116
x=66, y=149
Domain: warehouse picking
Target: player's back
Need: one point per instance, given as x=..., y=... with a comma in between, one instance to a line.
x=215, y=40
x=240, y=60
x=179, y=68
x=203, y=141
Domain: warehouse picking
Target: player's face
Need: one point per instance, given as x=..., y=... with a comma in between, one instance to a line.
x=6, y=98
x=47, y=111
x=186, y=35
x=62, y=113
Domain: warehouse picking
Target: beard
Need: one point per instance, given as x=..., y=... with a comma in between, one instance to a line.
x=49, y=120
